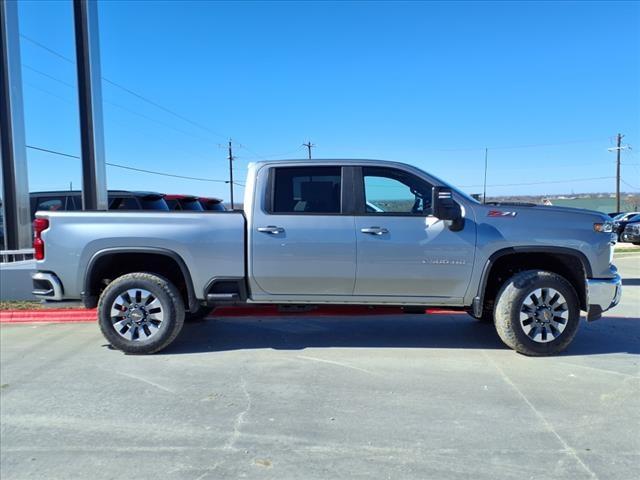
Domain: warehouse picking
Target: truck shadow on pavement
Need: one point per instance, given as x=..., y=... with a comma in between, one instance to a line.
x=609, y=335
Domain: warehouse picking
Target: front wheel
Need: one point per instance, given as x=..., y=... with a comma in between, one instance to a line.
x=140, y=313
x=537, y=313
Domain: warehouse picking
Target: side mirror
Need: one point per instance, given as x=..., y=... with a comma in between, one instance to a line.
x=446, y=208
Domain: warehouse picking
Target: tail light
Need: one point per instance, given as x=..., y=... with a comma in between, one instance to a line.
x=39, y=224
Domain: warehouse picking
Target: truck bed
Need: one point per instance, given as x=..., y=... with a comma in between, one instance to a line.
x=209, y=243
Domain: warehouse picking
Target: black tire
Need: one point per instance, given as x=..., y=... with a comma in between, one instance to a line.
x=510, y=302
x=164, y=332
x=200, y=314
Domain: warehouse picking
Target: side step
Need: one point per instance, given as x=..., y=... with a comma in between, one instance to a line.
x=218, y=298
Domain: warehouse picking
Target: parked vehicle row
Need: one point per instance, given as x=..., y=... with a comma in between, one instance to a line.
x=620, y=222
x=335, y=232
x=71, y=200
x=631, y=232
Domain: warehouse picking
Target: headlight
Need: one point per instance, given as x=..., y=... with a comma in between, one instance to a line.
x=605, y=227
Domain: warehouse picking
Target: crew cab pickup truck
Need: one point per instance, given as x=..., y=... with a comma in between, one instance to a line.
x=334, y=232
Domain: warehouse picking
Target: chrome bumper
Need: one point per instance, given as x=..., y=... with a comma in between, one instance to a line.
x=602, y=294
x=46, y=286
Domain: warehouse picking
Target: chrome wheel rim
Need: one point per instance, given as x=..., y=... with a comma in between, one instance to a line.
x=544, y=315
x=137, y=314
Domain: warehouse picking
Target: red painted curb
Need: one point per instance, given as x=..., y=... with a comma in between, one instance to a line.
x=59, y=315
x=82, y=315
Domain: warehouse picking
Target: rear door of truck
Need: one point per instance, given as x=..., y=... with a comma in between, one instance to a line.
x=302, y=242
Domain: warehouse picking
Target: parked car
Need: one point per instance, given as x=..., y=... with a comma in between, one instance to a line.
x=631, y=232
x=212, y=203
x=620, y=221
x=306, y=236
x=71, y=200
x=183, y=202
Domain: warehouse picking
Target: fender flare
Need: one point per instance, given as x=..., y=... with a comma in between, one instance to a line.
x=478, y=301
x=91, y=301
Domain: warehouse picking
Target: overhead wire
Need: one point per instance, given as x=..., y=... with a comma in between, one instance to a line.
x=127, y=167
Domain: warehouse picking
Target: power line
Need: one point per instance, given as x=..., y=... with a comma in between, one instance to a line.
x=50, y=50
x=629, y=185
x=537, y=183
x=510, y=147
x=129, y=91
x=126, y=167
x=54, y=152
x=107, y=102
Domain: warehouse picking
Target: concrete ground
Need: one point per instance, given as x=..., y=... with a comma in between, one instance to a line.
x=307, y=398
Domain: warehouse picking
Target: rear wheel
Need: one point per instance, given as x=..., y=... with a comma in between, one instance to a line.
x=140, y=313
x=537, y=313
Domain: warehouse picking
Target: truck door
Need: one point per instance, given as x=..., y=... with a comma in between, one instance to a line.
x=401, y=250
x=301, y=241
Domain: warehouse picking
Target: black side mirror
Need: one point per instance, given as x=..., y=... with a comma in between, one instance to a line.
x=446, y=208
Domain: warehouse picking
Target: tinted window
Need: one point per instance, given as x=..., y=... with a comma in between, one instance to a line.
x=154, y=203
x=50, y=204
x=191, y=205
x=307, y=190
x=391, y=191
x=74, y=202
x=124, y=203
x=173, y=204
x=214, y=206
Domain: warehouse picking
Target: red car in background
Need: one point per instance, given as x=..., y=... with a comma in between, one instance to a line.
x=212, y=203
x=183, y=202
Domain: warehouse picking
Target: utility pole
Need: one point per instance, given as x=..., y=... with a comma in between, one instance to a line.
x=231, y=173
x=618, y=148
x=309, y=146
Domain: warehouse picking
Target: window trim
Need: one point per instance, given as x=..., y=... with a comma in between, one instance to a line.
x=360, y=200
x=346, y=178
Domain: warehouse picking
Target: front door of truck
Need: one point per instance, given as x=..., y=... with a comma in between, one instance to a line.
x=402, y=251
x=301, y=242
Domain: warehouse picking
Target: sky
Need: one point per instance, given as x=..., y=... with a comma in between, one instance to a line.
x=545, y=86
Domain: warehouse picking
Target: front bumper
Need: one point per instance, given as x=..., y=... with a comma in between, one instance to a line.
x=602, y=294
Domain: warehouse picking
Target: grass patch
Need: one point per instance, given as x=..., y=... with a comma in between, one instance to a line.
x=19, y=305
x=627, y=250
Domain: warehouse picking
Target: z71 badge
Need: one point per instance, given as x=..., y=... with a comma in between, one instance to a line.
x=501, y=213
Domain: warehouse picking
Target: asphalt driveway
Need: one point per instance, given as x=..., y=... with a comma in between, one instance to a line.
x=409, y=396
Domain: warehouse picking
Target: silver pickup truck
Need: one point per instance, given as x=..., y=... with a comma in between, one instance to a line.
x=317, y=232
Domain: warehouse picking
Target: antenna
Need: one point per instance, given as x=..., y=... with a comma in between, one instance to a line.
x=486, y=164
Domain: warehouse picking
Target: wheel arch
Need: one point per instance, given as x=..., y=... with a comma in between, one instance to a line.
x=510, y=260
x=151, y=259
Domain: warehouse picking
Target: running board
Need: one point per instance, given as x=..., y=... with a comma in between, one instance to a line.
x=222, y=297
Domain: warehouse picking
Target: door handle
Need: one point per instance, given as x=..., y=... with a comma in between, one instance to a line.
x=374, y=230
x=271, y=229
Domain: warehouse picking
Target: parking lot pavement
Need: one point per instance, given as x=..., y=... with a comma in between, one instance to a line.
x=409, y=396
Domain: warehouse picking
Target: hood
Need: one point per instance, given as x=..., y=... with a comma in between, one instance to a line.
x=521, y=207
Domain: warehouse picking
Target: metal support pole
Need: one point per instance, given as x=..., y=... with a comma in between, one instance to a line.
x=619, y=147
x=94, y=177
x=14, y=180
